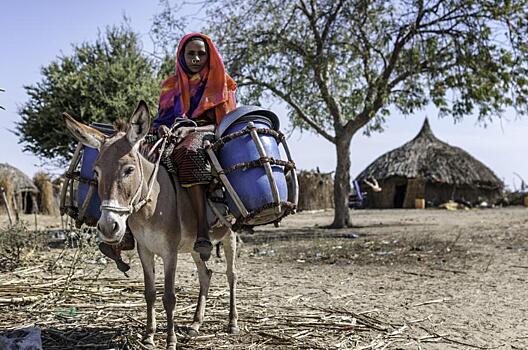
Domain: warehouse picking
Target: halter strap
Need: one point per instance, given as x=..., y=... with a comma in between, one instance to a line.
x=134, y=207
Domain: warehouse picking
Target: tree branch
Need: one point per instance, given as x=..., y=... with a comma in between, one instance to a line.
x=320, y=69
x=405, y=34
x=331, y=20
x=312, y=19
x=287, y=98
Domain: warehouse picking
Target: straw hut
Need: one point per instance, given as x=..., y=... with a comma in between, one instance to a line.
x=316, y=190
x=426, y=168
x=21, y=193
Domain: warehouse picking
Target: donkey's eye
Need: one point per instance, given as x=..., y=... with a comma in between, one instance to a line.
x=128, y=170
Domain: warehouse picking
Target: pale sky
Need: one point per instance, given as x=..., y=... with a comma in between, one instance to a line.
x=34, y=32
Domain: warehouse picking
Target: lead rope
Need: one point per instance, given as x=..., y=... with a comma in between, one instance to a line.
x=141, y=203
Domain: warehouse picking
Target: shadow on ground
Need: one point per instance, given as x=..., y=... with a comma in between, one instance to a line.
x=89, y=338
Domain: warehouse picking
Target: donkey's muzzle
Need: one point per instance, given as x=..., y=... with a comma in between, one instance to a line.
x=110, y=231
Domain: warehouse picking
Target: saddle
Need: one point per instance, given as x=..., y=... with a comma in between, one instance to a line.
x=188, y=162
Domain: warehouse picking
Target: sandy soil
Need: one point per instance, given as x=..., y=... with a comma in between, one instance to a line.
x=400, y=279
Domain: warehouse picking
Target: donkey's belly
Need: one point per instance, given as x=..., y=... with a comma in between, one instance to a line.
x=161, y=243
x=157, y=242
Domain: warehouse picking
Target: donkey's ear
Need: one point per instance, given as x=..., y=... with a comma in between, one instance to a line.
x=83, y=133
x=138, y=126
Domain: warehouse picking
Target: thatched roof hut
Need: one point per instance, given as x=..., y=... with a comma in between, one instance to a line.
x=20, y=190
x=428, y=168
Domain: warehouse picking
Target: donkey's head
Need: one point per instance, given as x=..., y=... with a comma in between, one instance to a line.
x=118, y=170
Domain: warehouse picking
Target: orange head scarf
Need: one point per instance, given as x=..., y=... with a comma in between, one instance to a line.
x=187, y=93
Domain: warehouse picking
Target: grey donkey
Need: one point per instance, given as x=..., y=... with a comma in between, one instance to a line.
x=141, y=194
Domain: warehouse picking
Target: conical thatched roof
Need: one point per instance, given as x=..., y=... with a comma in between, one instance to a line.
x=21, y=182
x=435, y=161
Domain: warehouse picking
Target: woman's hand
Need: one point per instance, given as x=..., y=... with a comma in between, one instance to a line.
x=182, y=133
x=163, y=131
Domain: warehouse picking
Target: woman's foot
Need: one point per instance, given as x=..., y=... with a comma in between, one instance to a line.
x=114, y=253
x=204, y=247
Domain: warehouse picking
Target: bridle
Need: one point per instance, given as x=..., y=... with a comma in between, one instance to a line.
x=134, y=206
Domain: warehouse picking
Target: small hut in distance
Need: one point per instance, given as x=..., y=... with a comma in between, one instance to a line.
x=428, y=168
x=21, y=193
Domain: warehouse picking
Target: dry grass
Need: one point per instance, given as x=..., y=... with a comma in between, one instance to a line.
x=404, y=280
x=46, y=201
x=18, y=247
x=77, y=307
x=347, y=249
x=78, y=303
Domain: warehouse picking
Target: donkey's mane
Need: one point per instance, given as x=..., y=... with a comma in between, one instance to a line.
x=120, y=125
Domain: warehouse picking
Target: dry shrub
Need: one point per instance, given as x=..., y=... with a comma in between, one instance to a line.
x=316, y=190
x=9, y=188
x=18, y=245
x=46, y=200
x=513, y=198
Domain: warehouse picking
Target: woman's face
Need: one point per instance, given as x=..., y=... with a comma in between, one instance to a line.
x=195, y=55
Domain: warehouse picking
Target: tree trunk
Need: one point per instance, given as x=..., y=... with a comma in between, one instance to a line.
x=342, y=182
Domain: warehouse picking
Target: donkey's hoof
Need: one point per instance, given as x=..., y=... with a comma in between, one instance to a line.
x=204, y=247
x=233, y=329
x=171, y=345
x=191, y=332
x=148, y=342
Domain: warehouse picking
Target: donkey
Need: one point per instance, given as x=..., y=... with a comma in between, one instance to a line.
x=159, y=213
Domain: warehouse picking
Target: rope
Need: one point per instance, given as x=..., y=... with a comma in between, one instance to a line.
x=134, y=207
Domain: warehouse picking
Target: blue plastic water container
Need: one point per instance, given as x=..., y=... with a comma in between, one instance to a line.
x=93, y=212
x=251, y=185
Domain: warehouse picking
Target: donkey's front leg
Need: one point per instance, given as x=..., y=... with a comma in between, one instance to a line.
x=169, y=298
x=204, y=276
x=230, y=247
x=147, y=262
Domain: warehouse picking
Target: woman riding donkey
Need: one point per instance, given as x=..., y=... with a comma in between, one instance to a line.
x=202, y=92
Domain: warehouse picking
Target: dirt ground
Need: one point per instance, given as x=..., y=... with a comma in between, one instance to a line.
x=400, y=279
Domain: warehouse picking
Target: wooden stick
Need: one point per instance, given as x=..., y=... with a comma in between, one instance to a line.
x=73, y=165
x=436, y=301
x=86, y=203
x=216, y=164
x=23, y=300
x=72, y=193
x=267, y=167
x=8, y=209
x=15, y=207
x=35, y=211
x=295, y=181
x=418, y=274
x=451, y=270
